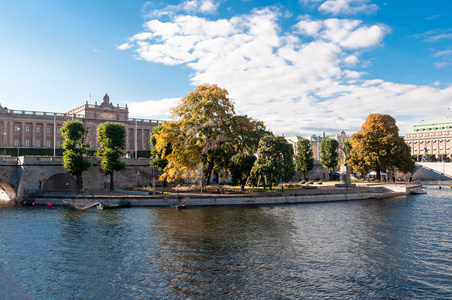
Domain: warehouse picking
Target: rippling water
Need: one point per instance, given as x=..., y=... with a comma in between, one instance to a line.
x=393, y=249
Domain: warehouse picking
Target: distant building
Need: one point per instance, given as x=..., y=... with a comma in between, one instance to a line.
x=319, y=172
x=430, y=138
x=32, y=129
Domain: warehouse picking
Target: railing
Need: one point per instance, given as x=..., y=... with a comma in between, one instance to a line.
x=43, y=114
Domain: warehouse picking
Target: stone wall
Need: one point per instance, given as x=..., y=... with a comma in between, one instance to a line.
x=26, y=174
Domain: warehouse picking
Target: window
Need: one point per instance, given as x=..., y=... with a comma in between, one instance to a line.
x=27, y=129
x=38, y=143
x=16, y=143
x=38, y=129
x=58, y=130
x=49, y=130
x=27, y=143
x=16, y=128
x=58, y=144
x=48, y=144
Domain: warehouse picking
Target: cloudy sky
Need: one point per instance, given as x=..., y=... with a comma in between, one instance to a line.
x=303, y=67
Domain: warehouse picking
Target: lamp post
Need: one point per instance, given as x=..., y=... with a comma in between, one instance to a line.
x=18, y=144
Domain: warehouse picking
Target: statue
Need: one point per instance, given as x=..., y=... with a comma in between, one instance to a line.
x=344, y=152
x=106, y=100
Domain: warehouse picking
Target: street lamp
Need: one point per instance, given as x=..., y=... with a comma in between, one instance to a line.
x=18, y=144
x=4, y=144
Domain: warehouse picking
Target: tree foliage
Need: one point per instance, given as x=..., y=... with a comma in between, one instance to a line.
x=157, y=156
x=328, y=154
x=75, y=159
x=377, y=146
x=112, y=138
x=240, y=167
x=304, y=161
x=274, y=163
x=204, y=134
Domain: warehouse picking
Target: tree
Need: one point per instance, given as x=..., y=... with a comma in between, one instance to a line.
x=328, y=154
x=157, y=156
x=75, y=150
x=274, y=163
x=112, y=138
x=304, y=161
x=377, y=146
x=204, y=135
x=240, y=167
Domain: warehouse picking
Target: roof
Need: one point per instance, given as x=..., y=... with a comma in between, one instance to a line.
x=435, y=125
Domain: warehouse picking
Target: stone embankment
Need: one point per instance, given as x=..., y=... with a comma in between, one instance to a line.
x=320, y=194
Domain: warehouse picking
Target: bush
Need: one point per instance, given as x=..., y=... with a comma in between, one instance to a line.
x=311, y=182
x=302, y=182
x=320, y=182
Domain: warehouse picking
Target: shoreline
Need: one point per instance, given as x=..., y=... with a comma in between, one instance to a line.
x=321, y=194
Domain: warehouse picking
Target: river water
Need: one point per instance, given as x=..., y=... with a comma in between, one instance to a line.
x=397, y=248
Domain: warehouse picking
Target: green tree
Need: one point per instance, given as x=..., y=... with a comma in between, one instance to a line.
x=328, y=154
x=274, y=163
x=75, y=159
x=377, y=146
x=204, y=135
x=112, y=138
x=304, y=161
x=240, y=167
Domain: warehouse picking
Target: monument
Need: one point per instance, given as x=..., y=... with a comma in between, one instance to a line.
x=345, y=173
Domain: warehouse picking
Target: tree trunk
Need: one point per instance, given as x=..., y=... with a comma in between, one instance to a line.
x=208, y=172
x=377, y=171
x=79, y=181
x=112, y=188
x=304, y=176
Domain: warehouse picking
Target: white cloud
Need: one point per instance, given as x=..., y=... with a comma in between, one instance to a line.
x=347, y=7
x=300, y=81
x=124, y=46
x=152, y=109
x=188, y=6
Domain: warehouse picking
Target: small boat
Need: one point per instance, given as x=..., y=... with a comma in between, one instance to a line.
x=417, y=192
x=103, y=206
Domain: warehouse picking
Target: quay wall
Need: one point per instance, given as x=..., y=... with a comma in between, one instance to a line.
x=221, y=200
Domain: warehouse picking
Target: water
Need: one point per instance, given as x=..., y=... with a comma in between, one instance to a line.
x=375, y=249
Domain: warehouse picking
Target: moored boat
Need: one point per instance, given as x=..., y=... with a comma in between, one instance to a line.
x=417, y=192
x=103, y=206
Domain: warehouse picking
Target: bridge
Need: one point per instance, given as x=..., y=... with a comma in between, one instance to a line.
x=24, y=175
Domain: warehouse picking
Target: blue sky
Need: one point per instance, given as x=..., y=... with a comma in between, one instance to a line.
x=302, y=67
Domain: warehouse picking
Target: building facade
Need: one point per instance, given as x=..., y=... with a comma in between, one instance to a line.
x=32, y=129
x=428, y=138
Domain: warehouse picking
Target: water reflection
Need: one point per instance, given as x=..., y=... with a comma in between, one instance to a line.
x=396, y=248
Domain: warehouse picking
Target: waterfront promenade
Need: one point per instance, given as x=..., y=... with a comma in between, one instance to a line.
x=325, y=193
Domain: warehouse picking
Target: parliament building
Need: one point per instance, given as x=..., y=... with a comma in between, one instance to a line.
x=33, y=129
x=428, y=138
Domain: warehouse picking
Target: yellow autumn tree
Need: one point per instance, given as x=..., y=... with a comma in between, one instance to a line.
x=377, y=146
x=204, y=133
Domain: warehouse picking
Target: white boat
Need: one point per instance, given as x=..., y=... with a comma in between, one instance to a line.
x=417, y=192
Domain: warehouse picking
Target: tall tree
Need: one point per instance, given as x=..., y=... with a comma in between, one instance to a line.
x=204, y=133
x=75, y=159
x=112, y=138
x=274, y=162
x=304, y=161
x=328, y=154
x=377, y=146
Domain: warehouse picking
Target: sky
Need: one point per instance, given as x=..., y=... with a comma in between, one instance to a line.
x=303, y=67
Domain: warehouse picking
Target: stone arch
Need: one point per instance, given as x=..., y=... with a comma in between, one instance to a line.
x=7, y=192
x=60, y=181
